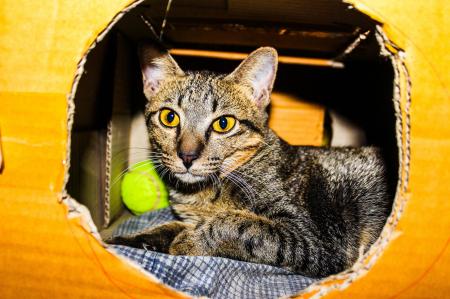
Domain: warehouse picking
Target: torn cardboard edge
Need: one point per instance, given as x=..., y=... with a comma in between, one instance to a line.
x=108, y=171
x=107, y=214
x=1, y=154
x=339, y=281
x=78, y=74
x=78, y=214
x=402, y=103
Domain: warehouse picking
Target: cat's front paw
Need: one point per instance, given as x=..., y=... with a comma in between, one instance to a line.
x=186, y=243
x=156, y=239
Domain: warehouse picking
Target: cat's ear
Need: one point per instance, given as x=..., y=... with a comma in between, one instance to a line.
x=156, y=66
x=257, y=72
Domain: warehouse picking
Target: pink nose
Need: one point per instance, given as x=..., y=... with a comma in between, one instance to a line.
x=188, y=158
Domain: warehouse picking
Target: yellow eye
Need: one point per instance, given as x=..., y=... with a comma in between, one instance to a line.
x=224, y=124
x=169, y=118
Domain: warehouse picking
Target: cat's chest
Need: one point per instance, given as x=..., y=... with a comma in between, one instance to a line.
x=200, y=198
x=192, y=207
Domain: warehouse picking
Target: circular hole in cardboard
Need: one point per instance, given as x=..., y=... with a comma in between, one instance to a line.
x=337, y=70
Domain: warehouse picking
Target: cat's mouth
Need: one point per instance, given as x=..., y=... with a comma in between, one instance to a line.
x=188, y=177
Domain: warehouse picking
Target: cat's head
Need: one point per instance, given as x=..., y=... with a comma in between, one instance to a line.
x=203, y=124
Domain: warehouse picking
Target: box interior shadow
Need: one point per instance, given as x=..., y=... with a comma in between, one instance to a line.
x=109, y=94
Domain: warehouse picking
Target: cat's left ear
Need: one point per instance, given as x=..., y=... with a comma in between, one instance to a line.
x=157, y=66
x=257, y=72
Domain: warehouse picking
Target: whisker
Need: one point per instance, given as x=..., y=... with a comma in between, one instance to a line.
x=243, y=185
x=241, y=188
x=246, y=185
x=237, y=172
x=134, y=160
x=134, y=149
x=257, y=179
x=123, y=172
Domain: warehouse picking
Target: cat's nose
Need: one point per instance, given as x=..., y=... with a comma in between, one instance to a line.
x=188, y=157
x=189, y=148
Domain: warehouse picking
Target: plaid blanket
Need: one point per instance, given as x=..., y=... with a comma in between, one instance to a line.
x=213, y=277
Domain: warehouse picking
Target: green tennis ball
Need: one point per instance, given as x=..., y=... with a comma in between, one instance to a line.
x=142, y=189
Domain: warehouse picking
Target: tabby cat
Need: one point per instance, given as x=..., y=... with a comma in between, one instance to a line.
x=240, y=191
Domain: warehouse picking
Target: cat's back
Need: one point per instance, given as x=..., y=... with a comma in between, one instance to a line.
x=345, y=188
x=344, y=163
x=344, y=173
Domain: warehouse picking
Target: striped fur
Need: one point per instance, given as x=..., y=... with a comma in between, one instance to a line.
x=249, y=195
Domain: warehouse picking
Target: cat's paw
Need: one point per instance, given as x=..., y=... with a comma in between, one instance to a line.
x=186, y=243
x=156, y=239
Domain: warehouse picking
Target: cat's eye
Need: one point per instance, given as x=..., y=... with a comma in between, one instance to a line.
x=169, y=118
x=224, y=124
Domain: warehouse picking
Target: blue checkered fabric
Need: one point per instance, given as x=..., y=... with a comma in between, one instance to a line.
x=213, y=277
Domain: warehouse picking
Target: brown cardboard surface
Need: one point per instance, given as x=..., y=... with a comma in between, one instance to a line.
x=43, y=253
x=417, y=263
x=88, y=155
x=330, y=27
x=118, y=132
x=1, y=155
x=309, y=120
x=46, y=255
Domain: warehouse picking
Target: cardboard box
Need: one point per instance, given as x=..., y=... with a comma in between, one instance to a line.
x=50, y=248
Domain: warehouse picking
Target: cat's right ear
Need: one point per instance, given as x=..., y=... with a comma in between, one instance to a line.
x=257, y=72
x=157, y=66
